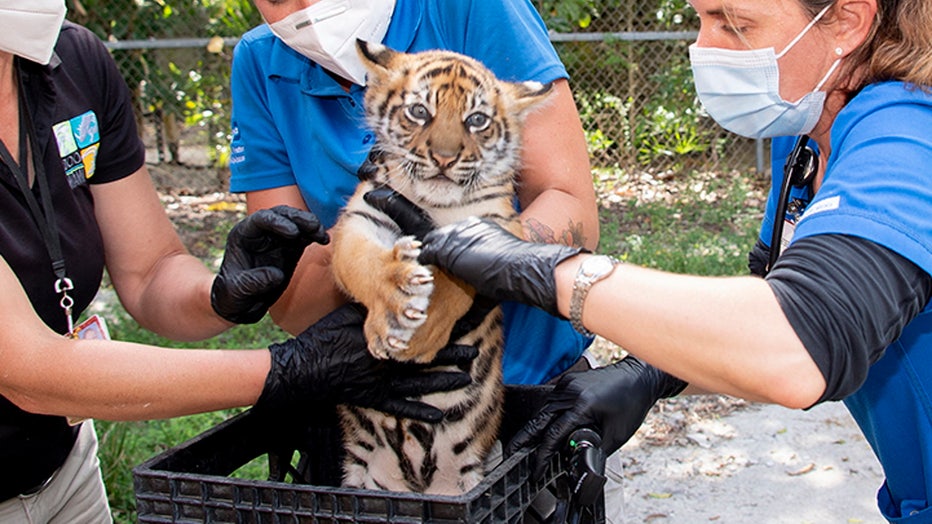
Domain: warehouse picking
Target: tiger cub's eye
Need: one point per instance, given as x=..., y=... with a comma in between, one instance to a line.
x=417, y=112
x=478, y=121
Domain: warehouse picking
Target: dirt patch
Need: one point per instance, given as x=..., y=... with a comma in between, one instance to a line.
x=203, y=221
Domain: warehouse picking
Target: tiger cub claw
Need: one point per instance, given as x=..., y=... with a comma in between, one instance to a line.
x=407, y=249
x=405, y=309
x=419, y=279
x=415, y=314
x=397, y=344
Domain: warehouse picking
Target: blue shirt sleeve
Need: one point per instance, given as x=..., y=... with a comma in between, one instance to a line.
x=876, y=184
x=258, y=156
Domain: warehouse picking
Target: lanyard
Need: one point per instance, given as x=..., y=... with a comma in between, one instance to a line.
x=798, y=171
x=44, y=217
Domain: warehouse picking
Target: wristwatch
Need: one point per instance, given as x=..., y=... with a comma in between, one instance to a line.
x=592, y=270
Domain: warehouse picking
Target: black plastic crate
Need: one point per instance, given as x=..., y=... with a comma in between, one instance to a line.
x=190, y=482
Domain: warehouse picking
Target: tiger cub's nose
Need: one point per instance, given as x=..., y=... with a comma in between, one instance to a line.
x=444, y=159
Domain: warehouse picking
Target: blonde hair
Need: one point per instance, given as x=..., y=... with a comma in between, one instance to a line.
x=898, y=47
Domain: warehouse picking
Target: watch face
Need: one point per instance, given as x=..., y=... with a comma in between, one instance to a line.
x=597, y=265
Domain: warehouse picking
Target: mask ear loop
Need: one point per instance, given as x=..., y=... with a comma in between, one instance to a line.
x=838, y=50
x=805, y=30
x=798, y=171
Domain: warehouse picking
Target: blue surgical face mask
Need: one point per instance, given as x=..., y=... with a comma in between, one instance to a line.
x=740, y=89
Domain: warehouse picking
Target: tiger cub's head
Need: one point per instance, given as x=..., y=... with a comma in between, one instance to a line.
x=445, y=126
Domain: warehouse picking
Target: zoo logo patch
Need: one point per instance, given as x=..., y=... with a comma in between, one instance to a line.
x=78, y=140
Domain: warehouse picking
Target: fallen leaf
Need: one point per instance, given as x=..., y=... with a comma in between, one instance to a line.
x=215, y=45
x=802, y=471
x=223, y=206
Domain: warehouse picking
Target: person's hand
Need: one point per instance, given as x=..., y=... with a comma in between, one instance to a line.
x=261, y=254
x=497, y=263
x=329, y=362
x=488, y=257
x=612, y=400
x=412, y=220
x=484, y=254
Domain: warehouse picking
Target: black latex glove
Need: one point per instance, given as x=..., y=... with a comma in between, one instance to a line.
x=411, y=219
x=497, y=263
x=613, y=400
x=488, y=257
x=329, y=363
x=261, y=254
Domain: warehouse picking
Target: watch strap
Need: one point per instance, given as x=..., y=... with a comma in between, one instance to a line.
x=581, y=286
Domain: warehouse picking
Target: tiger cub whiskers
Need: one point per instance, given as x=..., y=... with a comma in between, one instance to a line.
x=448, y=138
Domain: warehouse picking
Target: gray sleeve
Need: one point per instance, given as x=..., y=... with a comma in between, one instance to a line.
x=758, y=258
x=847, y=299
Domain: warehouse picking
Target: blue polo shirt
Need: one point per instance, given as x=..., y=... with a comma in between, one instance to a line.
x=877, y=186
x=293, y=124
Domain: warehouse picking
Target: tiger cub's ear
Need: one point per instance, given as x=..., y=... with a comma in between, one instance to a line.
x=376, y=57
x=525, y=96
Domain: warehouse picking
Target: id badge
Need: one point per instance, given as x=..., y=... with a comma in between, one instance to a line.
x=789, y=229
x=93, y=328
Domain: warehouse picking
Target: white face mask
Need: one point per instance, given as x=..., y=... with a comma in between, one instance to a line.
x=29, y=28
x=326, y=32
x=741, y=90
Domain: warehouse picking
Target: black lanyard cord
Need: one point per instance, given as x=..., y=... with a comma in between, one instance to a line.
x=44, y=217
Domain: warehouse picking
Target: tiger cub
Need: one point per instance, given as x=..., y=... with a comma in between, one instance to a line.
x=448, y=137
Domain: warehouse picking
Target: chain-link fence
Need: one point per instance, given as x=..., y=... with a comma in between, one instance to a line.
x=627, y=60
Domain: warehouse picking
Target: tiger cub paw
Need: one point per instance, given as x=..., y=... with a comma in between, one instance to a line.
x=406, y=308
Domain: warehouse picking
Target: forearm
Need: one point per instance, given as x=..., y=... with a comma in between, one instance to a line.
x=555, y=187
x=123, y=381
x=311, y=295
x=725, y=335
x=174, y=301
x=159, y=283
x=557, y=217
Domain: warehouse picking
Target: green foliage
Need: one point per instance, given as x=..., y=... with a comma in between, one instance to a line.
x=707, y=229
x=636, y=99
x=190, y=86
x=568, y=15
x=605, y=110
x=673, y=134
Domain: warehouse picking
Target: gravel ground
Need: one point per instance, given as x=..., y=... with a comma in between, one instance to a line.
x=714, y=458
x=752, y=464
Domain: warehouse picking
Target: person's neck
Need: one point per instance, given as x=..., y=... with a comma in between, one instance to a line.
x=9, y=105
x=835, y=101
x=7, y=78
